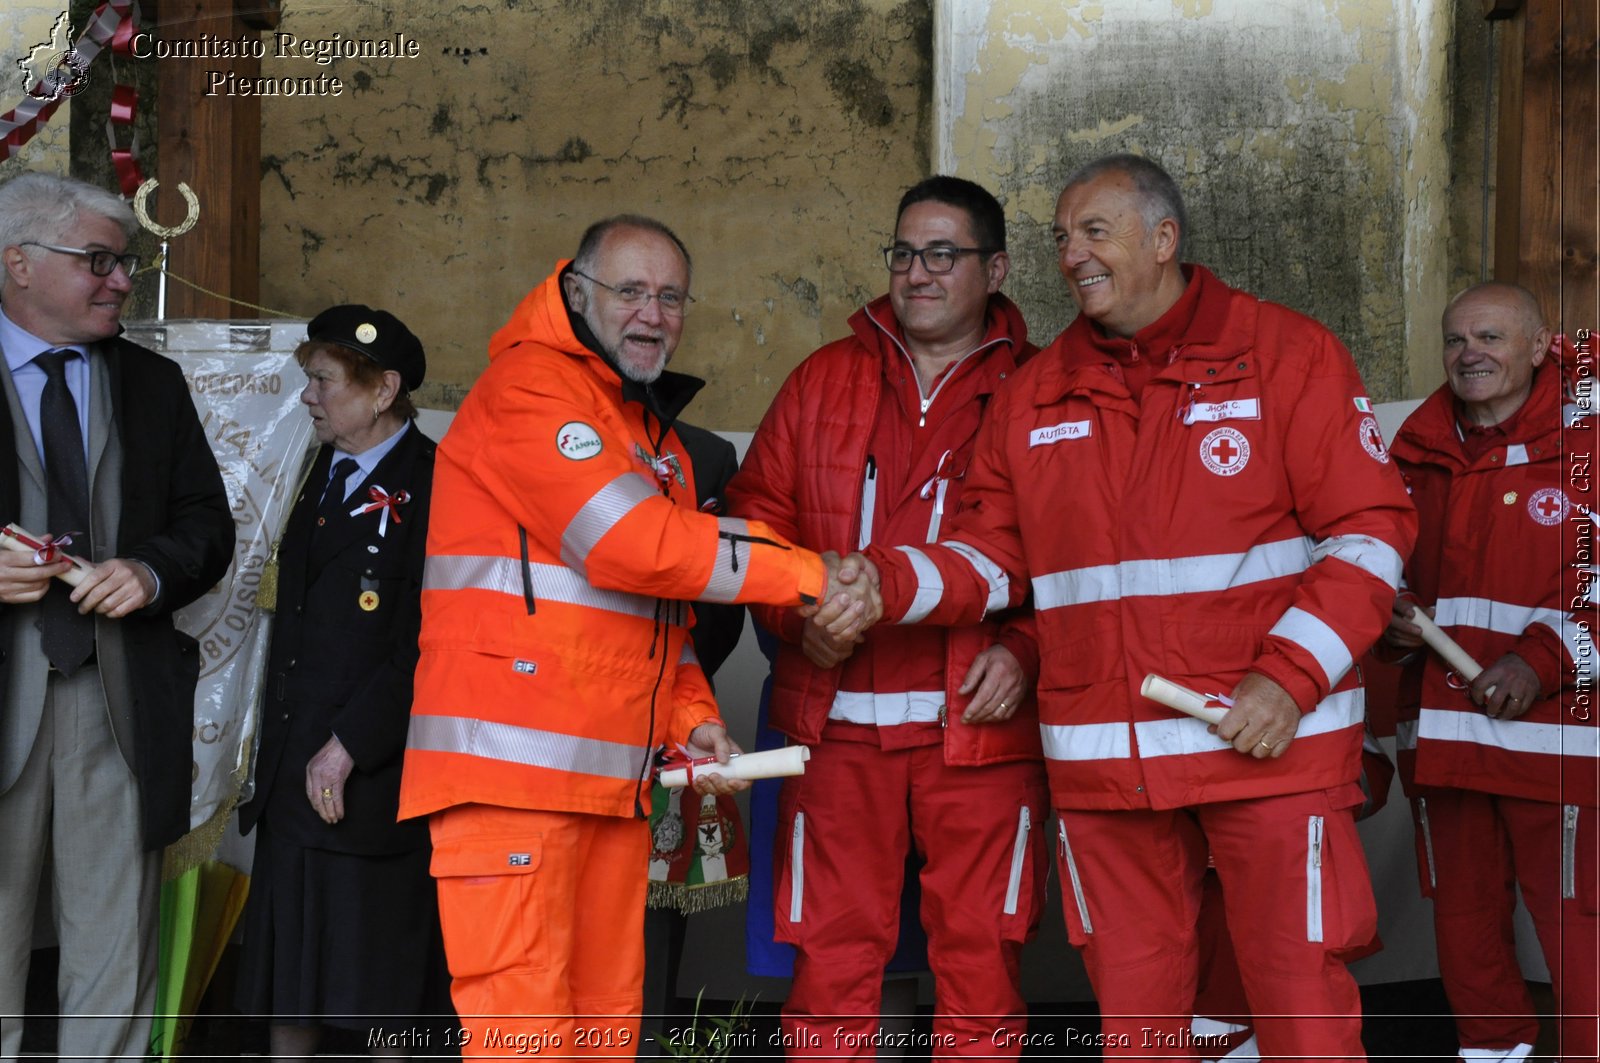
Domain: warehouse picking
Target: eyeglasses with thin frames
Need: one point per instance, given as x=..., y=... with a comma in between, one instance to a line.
x=936, y=259
x=101, y=263
x=671, y=301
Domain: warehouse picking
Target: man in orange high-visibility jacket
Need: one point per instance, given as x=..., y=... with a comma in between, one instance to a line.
x=563, y=549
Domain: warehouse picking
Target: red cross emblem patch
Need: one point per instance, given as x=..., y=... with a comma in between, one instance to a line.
x=1224, y=451
x=1372, y=440
x=1548, y=506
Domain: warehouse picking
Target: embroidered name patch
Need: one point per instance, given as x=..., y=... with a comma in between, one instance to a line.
x=1041, y=437
x=1225, y=451
x=1372, y=440
x=577, y=440
x=1548, y=506
x=1233, y=410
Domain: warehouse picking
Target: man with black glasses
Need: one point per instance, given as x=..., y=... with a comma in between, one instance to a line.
x=98, y=440
x=922, y=738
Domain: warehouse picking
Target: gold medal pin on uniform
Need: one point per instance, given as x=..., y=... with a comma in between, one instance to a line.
x=368, y=601
x=1509, y=498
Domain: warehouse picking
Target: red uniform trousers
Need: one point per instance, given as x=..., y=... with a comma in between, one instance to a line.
x=1481, y=848
x=1298, y=897
x=543, y=918
x=849, y=822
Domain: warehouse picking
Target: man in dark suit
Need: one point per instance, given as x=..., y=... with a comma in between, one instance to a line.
x=99, y=439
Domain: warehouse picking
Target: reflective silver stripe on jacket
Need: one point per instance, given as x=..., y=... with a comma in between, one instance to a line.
x=1518, y=736
x=1183, y=735
x=992, y=574
x=600, y=514
x=526, y=745
x=730, y=569
x=1312, y=634
x=1373, y=556
x=551, y=583
x=1507, y=618
x=930, y=585
x=1167, y=576
x=887, y=709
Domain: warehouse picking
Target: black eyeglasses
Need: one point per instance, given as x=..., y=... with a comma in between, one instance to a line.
x=672, y=302
x=936, y=259
x=101, y=263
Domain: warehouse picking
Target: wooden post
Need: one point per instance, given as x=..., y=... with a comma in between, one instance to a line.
x=1545, y=194
x=212, y=143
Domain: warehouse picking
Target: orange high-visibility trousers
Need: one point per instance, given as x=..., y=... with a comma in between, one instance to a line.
x=543, y=918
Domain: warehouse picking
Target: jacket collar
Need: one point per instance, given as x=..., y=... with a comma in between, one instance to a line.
x=1433, y=432
x=1005, y=341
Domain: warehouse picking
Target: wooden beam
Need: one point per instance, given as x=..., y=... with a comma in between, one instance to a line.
x=212, y=143
x=1580, y=164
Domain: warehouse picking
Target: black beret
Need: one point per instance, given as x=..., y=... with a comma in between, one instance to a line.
x=377, y=334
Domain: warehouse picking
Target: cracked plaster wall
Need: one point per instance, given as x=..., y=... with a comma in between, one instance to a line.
x=774, y=138
x=1311, y=139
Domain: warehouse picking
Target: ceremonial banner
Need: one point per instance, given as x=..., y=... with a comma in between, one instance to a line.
x=246, y=388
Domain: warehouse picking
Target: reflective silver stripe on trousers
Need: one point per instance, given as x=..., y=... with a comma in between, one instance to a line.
x=526, y=745
x=725, y=582
x=1373, y=556
x=551, y=583
x=991, y=574
x=797, y=867
x=1569, y=852
x=1312, y=634
x=1019, y=856
x=600, y=514
x=930, y=585
x=1518, y=736
x=1176, y=575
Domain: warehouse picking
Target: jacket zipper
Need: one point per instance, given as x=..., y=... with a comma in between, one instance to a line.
x=527, y=573
x=869, y=503
x=736, y=538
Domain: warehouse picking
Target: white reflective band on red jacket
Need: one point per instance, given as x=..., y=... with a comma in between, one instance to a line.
x=887, y=710
x=930, y=585
x=1177, y=575
x=600, y=514
x=526, y=745
x=1312, y=634
x=1184, y=734
x=1507, y=618
x=1447, y=725
x=550, y=583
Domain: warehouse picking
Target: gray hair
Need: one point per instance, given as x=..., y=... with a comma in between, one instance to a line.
x=589, y=247
x=1159, y=198
x=1527, y=302
x=43, y=206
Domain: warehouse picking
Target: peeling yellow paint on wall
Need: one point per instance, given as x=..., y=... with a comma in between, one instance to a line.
x=1105, y=129
x=1193, y=8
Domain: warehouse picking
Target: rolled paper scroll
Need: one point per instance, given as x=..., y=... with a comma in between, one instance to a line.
x=765, y=764
x=45, y=552
x=1173, y=696
x=1445, y=646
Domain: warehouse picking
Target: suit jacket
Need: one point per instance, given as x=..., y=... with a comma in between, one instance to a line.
x=173, y=515
x=337, y=667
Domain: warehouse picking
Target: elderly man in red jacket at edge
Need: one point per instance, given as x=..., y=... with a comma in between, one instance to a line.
x=1191, y=483
x=920, y=737
x=1501, y=771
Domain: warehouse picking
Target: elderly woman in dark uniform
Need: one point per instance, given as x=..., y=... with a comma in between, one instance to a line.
x=342, y=924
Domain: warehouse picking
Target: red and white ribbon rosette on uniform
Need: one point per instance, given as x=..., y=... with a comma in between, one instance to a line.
x=46, y=550
x=386, y=504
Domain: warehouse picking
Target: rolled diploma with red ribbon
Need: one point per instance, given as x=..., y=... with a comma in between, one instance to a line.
x=1183, y=699
x=765, y=764
x=1447, y=647
x=25, y=542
